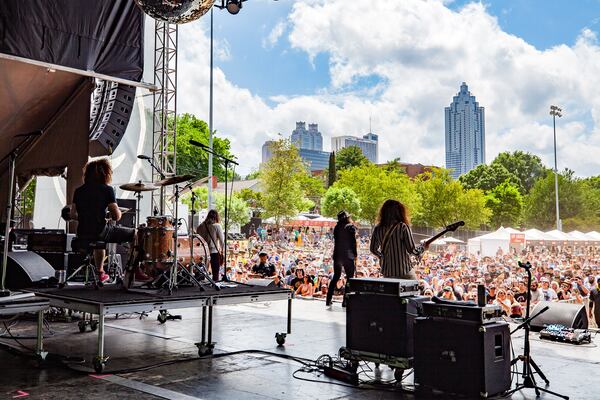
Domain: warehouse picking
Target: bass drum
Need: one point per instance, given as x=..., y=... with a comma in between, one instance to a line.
x=156, y=241
x=184, y=253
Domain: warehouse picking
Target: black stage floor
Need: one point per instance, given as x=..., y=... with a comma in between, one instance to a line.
x=134, y=342
x=112, y=295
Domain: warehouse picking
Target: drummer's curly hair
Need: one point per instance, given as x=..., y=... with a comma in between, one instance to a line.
x=98, y=171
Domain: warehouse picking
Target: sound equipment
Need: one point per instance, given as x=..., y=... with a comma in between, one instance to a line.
x=111, y=109
x=465, y=313
x=52, y=240
x=127, y=218
x=381, y=324
x=567, y=314
x=261, y=282
x=384, y=286
x=462, y=358
x=25, y=268
x=561, y=333
x=481, y=296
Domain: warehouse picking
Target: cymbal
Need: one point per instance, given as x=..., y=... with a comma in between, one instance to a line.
x=174, y=180
x=138, y=187
x=124, y=210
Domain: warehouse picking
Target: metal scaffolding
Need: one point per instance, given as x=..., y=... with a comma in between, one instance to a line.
x=164, y=122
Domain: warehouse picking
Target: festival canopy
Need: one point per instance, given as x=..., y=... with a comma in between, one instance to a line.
x=593, y=235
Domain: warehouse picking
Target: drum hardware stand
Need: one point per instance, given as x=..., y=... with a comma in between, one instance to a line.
x=12, y=165
x=529, y=366
x=115, y=263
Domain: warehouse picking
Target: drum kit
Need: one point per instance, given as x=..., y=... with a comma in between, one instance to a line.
x=169, y=259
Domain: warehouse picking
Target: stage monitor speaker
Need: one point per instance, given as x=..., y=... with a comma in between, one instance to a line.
x=127, y=218
x=381, y=324
x=462, y=358
x=109, y=116
x=261, y=282
x=25, y=268
x=567, y=314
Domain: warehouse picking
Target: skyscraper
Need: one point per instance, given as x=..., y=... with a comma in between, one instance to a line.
x=368, y=144
x=465, y=133
x=266, y=151
x=310, y=139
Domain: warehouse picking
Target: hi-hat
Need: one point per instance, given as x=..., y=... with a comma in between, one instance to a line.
x=138, y=187
x=174, y=180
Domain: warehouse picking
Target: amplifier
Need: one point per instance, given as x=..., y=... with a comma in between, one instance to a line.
x=381, y=324
x=387, y=286
x=53, y=240
x=475, y=314
x=468, y=359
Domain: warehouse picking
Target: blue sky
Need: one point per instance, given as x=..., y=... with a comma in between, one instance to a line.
x=338, y=62
x=281, y=70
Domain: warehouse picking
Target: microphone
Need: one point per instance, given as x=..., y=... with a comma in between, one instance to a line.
x=143, y=157
x=196, y=143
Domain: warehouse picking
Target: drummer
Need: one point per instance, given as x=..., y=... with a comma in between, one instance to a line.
x=91, y=202
x=264, y=267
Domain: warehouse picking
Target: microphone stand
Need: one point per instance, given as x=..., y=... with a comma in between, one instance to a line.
x=12, y=163
x=226, y=161
x=162, y=189
x=528, y=363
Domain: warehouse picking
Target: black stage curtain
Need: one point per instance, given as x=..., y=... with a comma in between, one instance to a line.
x=104, y=36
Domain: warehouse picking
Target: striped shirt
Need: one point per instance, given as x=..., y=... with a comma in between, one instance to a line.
x=395, y=258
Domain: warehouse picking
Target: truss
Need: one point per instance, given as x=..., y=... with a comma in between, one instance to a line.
x=164, y=123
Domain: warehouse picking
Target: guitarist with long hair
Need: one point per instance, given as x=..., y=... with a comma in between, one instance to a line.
x=392, y=241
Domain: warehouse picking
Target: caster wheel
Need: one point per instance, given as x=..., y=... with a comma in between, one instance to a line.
x=204, y=350
x=81, y=325
x=61, y=285
x=99, y=365
x=352, y=367
x=376, y=365
x=280, y=338
x=398, y=374
x=162, y=318
x=93, y=325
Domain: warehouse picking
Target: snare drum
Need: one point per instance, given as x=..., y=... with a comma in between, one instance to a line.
x=156, y=240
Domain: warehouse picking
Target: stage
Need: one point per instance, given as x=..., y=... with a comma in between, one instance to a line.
x=135, y=342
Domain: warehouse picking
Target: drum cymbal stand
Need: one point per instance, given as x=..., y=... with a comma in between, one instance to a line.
x=201, y=268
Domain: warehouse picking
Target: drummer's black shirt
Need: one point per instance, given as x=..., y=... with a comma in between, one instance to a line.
x=91, y=201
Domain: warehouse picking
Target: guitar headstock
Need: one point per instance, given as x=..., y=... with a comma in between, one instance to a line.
x=454, y=226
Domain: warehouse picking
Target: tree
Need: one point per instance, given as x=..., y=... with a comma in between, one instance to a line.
x=331, y=172
x=193, y=159
x=281, y=179
x=528, y=168
x=348, y=157
x=373, y=185
x=506, y=203
x=337, y=199
x=487, y=177
x=237, y=214
x=253, y=175
x=540, y=207
x=252, y=198
x=444, y=200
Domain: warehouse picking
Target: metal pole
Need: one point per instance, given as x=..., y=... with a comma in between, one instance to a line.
x=558, y=227
x=210, y=118
x=9, y=204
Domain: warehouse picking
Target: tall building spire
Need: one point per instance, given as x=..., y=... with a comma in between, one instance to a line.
x=465, y=133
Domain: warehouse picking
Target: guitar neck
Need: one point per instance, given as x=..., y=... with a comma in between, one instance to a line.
x=435, y=237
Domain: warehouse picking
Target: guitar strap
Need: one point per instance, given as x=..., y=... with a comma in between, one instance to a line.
x=387, y=237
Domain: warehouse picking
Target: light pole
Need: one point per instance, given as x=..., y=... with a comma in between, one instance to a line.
x=555, y=111
x=210, y=119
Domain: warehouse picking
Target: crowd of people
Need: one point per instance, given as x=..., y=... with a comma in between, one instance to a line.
x=302, y=261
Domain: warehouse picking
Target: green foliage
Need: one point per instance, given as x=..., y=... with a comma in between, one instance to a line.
x=331, y=172
x=444, y=200
x=395, y=165
x=253, y=175
x=540, y=207
x=528, y=168
x=283, y=180
x=506, y=203
x=238, y=212
x=311, y=186
x=192, y=159
x=29, y=198
x=252, y=198
x=337, y=199
x=373, y=185
x=348, y=157
x=487, y=177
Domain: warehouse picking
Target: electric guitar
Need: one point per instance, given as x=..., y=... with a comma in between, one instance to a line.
x=450, y=228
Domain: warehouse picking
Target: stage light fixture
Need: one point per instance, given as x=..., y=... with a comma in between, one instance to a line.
x=175, y=11
x=234, y=6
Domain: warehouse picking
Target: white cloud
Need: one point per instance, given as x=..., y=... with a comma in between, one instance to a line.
x=275, y=34
x=422, y=51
